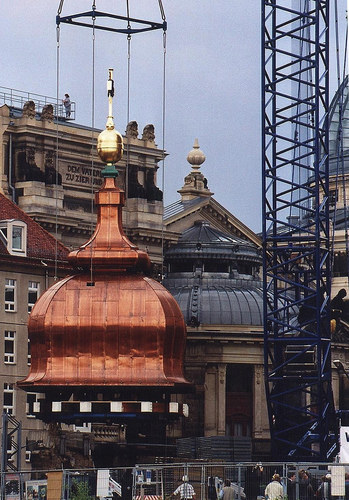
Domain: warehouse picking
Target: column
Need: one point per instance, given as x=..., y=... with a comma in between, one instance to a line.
x=260, y=428
x=215, y=401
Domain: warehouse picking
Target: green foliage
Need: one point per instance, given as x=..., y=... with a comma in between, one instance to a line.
x=80, y=490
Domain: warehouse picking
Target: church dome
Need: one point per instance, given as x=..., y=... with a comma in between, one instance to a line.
x=339, y=155
x=214, y=278
x=108, y=325
x=339, y=128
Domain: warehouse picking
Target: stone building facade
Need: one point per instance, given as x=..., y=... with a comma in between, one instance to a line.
x=31, y=260
x=214, y=272
x=225, y=351
x=224, y=356
x=51, y=170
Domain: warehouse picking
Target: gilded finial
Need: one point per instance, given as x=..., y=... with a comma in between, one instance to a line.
x=109, y=143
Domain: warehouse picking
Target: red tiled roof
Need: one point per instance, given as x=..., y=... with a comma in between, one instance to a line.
x=40, y=243
x=3, y=249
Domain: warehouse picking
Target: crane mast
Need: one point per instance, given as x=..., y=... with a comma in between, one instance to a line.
x=296, y=229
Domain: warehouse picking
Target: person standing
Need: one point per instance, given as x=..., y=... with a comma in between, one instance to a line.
x=274, y=490
x=185, y=490
x=227, y=492
x=306, y=491
x=324, y=490
x=291, y=486
x=211, y=489
x=67, y=105
x=346, y=486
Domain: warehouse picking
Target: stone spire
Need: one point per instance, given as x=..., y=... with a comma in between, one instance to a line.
x=195, y=184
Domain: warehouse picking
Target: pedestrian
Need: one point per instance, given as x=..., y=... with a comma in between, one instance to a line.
x=291, y=486
x=274, y=490
x=306, y=491
x=126, y=485
x=227, y=492
x=346, y=486
x=211, y=489
x=67, y=105
x=324, y=490
x=185, y=490
x=337, y=303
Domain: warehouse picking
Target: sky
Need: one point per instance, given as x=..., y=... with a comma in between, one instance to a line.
x=212, y=82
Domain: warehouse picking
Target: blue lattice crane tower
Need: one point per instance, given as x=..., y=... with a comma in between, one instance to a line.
x=296, y=229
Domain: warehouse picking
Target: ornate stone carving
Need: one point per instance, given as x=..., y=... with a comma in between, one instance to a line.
x=27, y=167
x=47, y=113
x=49, y=159
x=29, y=109
x=51, y=175
x=148, y=133
x=132, y=130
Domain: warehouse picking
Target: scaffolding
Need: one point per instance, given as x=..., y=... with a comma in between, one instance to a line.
x=296, y=240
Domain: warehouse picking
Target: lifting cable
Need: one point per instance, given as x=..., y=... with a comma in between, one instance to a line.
x=345, y=206
x=163, y=140
x=128, y=98
x=92, y=134
x=57, y=140
x=345, y=69
x=141, y=26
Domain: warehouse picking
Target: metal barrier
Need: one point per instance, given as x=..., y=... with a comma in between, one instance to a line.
x=158, y=482
x=17, y=98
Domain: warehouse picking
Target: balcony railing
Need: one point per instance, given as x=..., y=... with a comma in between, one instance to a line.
x=17, y=98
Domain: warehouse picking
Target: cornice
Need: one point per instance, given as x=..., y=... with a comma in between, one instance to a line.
x=34, y=262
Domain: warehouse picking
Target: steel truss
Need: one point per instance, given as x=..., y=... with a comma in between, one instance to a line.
x=296, y=237
x=139, y=25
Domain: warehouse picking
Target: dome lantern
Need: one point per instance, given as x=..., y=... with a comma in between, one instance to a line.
x=109, y=143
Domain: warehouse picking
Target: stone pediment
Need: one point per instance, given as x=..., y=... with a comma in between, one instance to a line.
x=181, y=215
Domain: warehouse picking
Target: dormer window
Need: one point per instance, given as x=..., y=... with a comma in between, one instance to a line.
x=13, y=234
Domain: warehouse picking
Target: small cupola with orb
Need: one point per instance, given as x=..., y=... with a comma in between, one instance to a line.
x=195, y=183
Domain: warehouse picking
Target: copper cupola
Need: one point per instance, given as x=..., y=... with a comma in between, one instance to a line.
x=108, y=325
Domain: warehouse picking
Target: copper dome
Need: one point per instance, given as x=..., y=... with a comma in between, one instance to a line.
x=109, y=325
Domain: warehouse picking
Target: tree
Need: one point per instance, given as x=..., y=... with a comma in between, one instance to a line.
x=80, y=490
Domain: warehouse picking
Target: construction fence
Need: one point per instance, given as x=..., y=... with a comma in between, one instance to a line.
x=159, y=482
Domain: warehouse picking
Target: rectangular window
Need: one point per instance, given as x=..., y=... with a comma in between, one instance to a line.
x=13, y=234
x=10, y=295
x=33, y=294
x=332, y=197
x=9, y=347
x=11, y=450
x=17, y=238
x=29, y=358
x=32, y=397
x=8, y=399
x=3, y=234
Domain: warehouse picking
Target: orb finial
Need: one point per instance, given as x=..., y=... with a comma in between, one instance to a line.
x=109, y=143
x=196, y=157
